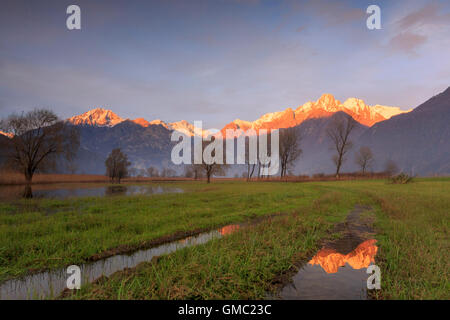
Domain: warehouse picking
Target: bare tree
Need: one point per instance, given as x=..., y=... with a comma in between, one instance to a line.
x=171, y=172
x=250, y=166
x=152, y=172
x=39, y=139
x=339, y=133
x=163, y=172
x=117, y=165
x=364, y=158
x=390, y=167
x=212, y=169
x=197, y=171
x=289, y=148
x=168, y=172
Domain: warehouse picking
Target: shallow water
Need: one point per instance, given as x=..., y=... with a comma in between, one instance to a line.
x=70, y=191
x=331, y=275
x=338, y=270
x=51, y=284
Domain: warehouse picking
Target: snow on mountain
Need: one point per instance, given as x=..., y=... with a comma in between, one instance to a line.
x=100, y=117
x=325, y=106
x=389, y=112
x=6, y=134
x=97, y=117
x=142, y=122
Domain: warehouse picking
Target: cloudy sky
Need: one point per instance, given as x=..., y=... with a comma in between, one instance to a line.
x=217, y=60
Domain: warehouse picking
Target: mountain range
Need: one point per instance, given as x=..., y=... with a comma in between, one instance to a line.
x=325, y=106
x=418, y=140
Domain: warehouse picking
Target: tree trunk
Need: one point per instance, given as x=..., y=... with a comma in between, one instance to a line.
x=338, y=168
x=28, y=175
x=27, y=192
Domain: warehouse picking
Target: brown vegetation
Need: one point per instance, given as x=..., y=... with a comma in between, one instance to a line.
x=15, y=178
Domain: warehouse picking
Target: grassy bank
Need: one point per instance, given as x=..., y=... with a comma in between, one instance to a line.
x=243, y=265
x=45, y=234
x=411, y=221
x=412, y=224
x=413, y=232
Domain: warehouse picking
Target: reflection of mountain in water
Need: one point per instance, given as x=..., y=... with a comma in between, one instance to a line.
x=229, y=229
x=361, y=257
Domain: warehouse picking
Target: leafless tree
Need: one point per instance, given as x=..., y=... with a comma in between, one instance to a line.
x=152, y=172
x=117, y=165
x=213, y=169
x=197, y=170
x=390, y=167
x=364, y=158
x=168, y=172
x=339, y=133
x=289, y=148
x=250, y=166
x=188, y=172
x=39, y=139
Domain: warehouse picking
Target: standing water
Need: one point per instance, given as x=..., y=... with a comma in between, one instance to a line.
x=338, y=270
x=64, y=191
x=51, y=284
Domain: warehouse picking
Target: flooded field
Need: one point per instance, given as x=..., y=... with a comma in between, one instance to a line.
x=63, y=191
x=51, y=284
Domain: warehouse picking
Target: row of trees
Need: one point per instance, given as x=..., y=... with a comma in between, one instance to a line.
x=40, y=138
x=339, y=131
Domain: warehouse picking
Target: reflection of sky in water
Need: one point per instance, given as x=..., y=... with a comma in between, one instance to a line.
x=62, y=193
x=51, y=284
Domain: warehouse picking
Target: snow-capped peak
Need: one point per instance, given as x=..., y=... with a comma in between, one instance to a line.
x=389, y=112
x=159, y=122
x=97, y=117
x=324, y=106
x=354, y=104
x=188, y=129
x=7, y=134
x=328, y=103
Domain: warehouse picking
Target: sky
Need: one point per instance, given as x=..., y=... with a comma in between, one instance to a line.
x=218, y=60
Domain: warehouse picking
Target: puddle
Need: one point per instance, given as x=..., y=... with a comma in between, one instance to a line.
x=338, y=270
x=65, y=191
x=51, y=284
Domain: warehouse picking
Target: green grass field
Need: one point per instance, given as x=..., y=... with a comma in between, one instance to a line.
x=412, y=223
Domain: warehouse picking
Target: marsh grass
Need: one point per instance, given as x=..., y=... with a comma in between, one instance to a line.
x=242, y=265
x=411, y=221
x=412, y=226
x=44, y=234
